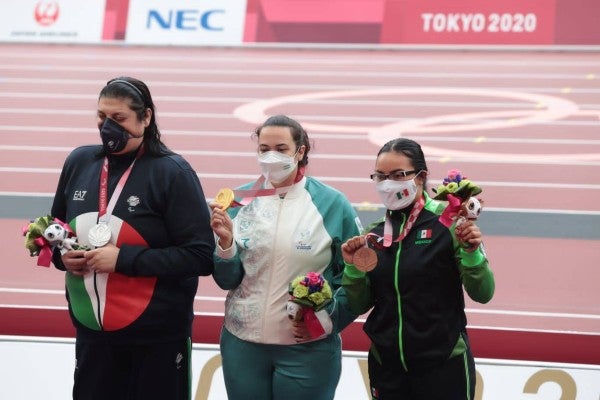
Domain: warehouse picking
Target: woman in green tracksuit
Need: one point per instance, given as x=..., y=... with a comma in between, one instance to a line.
x=414, y=287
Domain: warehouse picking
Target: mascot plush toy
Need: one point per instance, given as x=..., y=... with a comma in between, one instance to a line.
x=460, y=194
x=43, y=234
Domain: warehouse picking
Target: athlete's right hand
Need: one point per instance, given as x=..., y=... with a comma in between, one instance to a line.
x=350, y=247
x=75, y=262
x=222, y=225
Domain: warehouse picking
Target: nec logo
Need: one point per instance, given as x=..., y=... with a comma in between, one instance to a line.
x=188, y=20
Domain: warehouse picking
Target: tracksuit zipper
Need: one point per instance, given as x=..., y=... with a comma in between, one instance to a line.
x=98, y=300
x=398, y=296
x=280, y=206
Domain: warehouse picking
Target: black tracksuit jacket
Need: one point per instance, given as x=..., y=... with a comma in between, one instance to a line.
x=160, y=224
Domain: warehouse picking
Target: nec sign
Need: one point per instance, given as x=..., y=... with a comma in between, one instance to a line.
x=188, y=20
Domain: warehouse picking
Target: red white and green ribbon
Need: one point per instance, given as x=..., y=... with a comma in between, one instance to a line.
x=257, y=190
x=412, y=217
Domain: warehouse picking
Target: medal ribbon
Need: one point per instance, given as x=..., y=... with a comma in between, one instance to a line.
x=248, y=195
x=412, y=217
x=105, y=207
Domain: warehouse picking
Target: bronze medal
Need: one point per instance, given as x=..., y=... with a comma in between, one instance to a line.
x=365, y=259
x=99, y=235
x=224, y=198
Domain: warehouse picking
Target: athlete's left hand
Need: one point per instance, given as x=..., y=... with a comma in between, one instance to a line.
x=469, y=234
x=300, y=330
x=102, y=259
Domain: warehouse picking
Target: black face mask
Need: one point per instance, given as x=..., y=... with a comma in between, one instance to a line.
x=114, y=136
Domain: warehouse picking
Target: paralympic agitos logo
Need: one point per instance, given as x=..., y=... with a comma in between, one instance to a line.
x=46, y=12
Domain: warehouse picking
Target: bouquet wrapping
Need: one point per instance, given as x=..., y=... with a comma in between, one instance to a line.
x=460, y=194
x=43, y=234
x=310, y=294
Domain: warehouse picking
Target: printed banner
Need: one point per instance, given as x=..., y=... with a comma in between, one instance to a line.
x=35, y=368
x=60, y=21
x=186, y=22
x=468, y=22
x=233, y=22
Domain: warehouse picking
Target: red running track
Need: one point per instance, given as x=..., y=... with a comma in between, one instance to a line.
x=523, y=125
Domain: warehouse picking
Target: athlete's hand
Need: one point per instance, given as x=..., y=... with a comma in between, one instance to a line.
x=222, y=225
x=350, y=247
x=300, y=330
x=469, y=234
x=103, y=259
x=75, y=262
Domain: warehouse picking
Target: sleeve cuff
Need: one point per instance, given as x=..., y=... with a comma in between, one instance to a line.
x=57, y=260
x=225, y=254
x=471, y=259
x=352, y=272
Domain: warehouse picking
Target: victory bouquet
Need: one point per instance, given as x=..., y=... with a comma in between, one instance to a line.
x=310, y=294
x=43, y=234
x=460, y=194
x=457, y=185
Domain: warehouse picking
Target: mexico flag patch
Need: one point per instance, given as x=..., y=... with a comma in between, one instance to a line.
x=424, y=234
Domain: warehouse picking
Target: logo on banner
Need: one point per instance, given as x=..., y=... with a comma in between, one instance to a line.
x=186, y=20
x=46, y=12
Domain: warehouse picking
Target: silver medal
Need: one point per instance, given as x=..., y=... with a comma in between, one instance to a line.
x=99, y=235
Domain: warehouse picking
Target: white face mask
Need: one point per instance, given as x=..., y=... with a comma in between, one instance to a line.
x=275, y=166
x=396, y=195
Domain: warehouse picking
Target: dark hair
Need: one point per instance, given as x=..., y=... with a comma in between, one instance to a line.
x=410, y=149
x=137, y=92
x=299, y=135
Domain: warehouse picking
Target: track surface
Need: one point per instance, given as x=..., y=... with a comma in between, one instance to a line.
x=522, y=125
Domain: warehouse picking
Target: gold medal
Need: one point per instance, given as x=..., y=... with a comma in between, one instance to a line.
x=224, y=198
x=365, y=259
x=99, y=235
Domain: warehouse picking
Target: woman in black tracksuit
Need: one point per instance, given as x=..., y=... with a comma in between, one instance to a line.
x=414, y=288
x=141, y=210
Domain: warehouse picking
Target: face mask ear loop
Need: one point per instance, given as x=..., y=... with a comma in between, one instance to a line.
x=298, y=151
x=419, y=173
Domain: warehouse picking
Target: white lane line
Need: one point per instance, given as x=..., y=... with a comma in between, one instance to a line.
x=336, y=102
x=512, y=313
x=86, y=131
x=206, y=72
x=376, y=206
x=538, y=185
x=336, y=58
x=532, y=313
x=269, y=86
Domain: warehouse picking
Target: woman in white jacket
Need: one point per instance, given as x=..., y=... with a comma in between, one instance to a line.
x=292, y=225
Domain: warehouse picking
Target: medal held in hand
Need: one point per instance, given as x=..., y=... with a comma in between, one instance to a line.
x=365, y=259
x=224, y=198
x=99, y=235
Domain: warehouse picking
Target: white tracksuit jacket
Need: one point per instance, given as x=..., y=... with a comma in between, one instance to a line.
x=276, y=240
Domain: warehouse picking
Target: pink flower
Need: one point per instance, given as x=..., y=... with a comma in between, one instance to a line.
x=314, y=279
x=453, y=173
x=310, y=290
